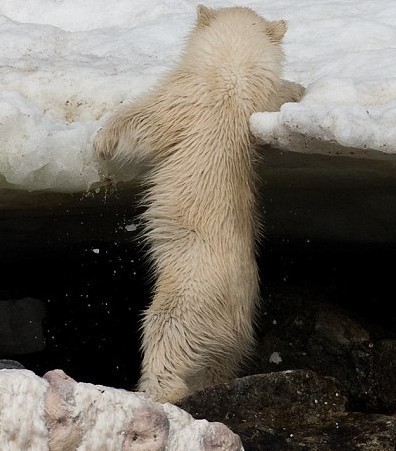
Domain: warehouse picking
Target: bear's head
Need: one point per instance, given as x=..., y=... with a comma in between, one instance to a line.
x=274, y=29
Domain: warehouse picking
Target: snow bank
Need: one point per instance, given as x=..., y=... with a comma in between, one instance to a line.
x=57, y=413
x=65, y=63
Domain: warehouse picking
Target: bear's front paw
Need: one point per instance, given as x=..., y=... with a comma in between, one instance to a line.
x=290, y=91
x=105, y=143
x=296, y=91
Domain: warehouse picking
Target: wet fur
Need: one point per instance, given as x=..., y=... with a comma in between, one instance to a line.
x=201, y=220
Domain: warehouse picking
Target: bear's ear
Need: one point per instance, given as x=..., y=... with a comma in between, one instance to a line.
x=277, y=29
x=204, y=15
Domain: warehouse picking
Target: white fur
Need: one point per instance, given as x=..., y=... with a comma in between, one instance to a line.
x=201, y=220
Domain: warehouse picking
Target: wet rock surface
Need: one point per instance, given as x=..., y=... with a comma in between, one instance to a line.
x=305, y=331
x=6, y=364
x=292, y=410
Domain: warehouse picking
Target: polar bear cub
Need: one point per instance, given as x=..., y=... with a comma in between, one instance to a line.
x=201, y=221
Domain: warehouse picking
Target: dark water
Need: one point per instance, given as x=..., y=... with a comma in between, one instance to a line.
x=93, y=300
x=89, y=272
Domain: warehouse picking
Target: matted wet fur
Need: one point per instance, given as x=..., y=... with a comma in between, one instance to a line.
x=201, y=220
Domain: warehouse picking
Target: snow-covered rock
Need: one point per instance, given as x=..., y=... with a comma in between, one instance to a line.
x=57, y=413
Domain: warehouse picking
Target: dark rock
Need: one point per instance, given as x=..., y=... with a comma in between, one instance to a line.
x=287, y=397
x=303, y=331
x=292, y=410
x=21, y=329
x=10, y=365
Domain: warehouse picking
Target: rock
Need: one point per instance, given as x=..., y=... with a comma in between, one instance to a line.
x=57, y=413
x=10, y=365
x=307, y=332
x=292, y=410
x=21, y=326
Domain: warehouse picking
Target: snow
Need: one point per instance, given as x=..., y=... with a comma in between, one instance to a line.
x=275, y=357
x=64, y=64
x=56, y=412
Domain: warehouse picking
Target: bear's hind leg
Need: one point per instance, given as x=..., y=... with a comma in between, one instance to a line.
x=225, y=366
x=168, y=357
x=185, y=348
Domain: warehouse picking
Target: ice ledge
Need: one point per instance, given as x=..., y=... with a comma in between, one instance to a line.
x=39, y=152
x=286, y=132
x=333, y=118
